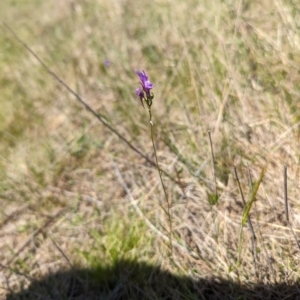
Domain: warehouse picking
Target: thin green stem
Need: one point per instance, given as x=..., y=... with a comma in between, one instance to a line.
x=167, y=211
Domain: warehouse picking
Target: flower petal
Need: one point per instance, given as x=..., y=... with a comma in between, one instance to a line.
x=140, y=93
x=148, y=85
x=142, y=75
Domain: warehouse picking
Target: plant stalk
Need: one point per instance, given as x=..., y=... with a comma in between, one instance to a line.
x=167, y=211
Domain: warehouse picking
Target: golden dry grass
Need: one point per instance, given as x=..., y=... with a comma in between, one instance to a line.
x=74, y=195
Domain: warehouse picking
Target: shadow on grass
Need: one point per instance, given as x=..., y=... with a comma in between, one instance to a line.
x=132, y=280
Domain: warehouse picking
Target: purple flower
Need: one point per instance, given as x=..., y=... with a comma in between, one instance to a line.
x=140, y=93
x=144, y=92
x=107, y=63
x=145, y=82
x=142, y=75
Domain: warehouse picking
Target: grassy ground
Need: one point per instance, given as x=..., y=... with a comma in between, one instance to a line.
x=75, y=196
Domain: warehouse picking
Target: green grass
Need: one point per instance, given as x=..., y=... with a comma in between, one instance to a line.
x=230, y=67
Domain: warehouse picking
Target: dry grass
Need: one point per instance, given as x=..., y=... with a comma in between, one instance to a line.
x=74, y=196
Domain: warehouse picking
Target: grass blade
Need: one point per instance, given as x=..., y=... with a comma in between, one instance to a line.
x=252, y=197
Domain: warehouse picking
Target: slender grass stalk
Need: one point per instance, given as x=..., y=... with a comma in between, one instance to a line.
x=146, y=96
x=287, y=206
x=213, y=162
x=167, y=211
x=244, y=202
x=246, y=212
x=285, y=194
x=270, y=261
x=253, y=239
